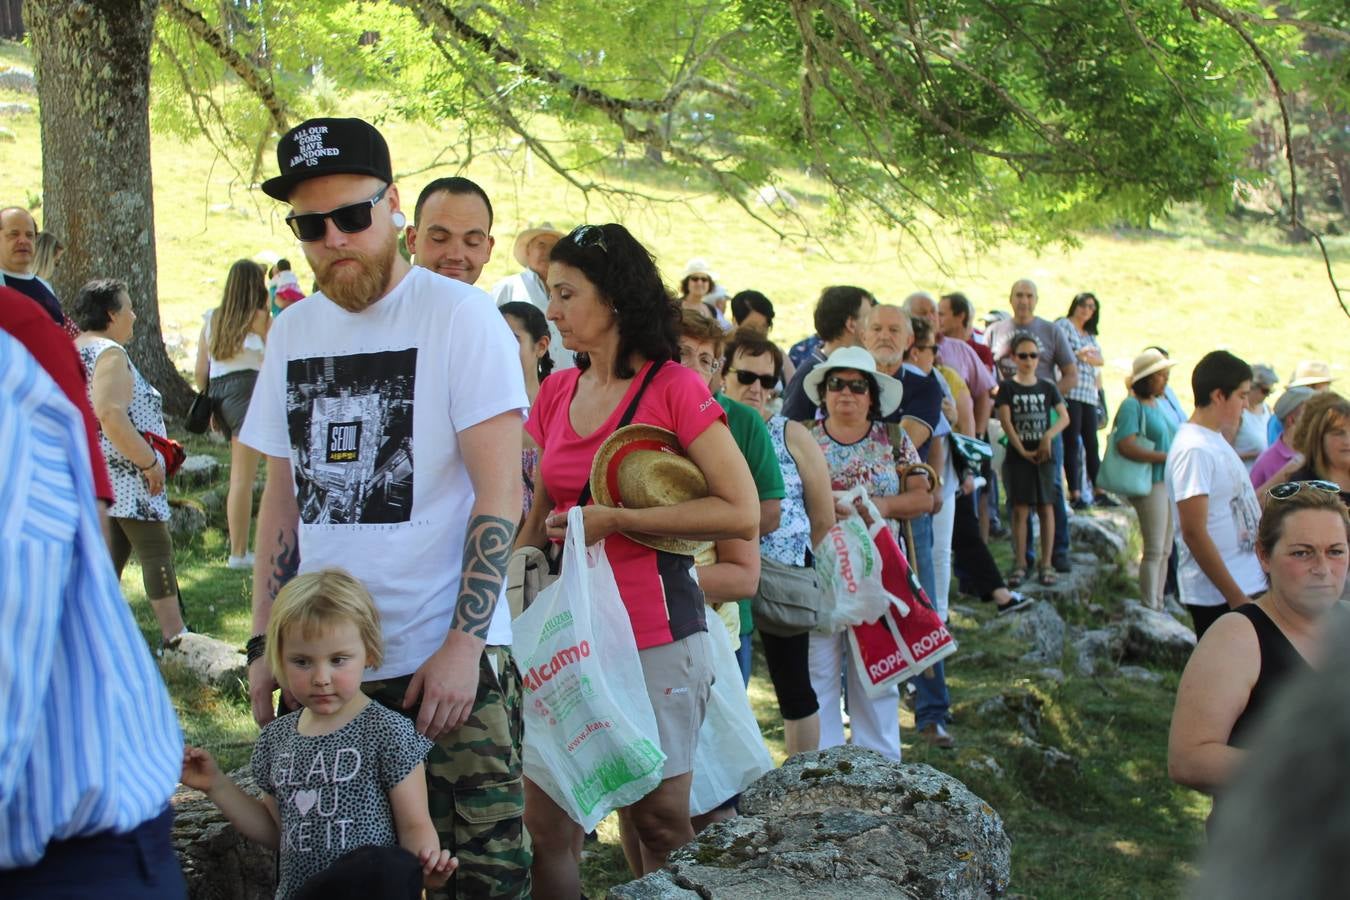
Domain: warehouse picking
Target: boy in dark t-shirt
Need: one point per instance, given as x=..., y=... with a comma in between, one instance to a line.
x=1027, y=407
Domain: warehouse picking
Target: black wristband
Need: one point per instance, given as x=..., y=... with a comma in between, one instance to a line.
x=256, y=648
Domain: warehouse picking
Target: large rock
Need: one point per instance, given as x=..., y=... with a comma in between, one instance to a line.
x=843, y=822
x=18, y=80
x=1041, y=626
x=186, y=518
x=1073, y=588
x=212, y=661
x=1098, y=651
x=1152, y=636
x=198, y=470
x=218, y=862
x=1102, y=536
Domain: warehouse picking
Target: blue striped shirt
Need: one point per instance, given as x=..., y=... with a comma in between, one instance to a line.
x=89, y=741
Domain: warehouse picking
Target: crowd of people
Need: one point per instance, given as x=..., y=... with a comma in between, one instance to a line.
x=415, y=434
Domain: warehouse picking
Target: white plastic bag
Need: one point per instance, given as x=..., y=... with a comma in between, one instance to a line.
x=849, y=570
x=591, y=741
x=730, y=752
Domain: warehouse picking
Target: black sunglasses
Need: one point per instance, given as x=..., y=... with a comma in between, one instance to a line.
x=853, y=385
x=1290, y=488
x=1028, y=355
x=349, y=219
x=748, y=378
x=587, y=236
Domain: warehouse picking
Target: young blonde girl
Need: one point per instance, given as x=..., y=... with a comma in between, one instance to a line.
x=342, y=772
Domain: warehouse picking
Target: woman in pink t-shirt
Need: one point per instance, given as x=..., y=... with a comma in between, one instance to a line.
x=607, y=300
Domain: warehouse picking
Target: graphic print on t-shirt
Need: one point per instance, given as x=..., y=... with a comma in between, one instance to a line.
x=350, y=420
x=1030, y=417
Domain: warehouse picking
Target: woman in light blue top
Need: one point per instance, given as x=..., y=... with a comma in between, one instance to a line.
x=1141, y=414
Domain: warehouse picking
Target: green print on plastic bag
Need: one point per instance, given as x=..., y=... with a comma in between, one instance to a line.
x=615, y=770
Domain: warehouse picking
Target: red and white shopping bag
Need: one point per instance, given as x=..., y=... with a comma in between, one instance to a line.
x=910, y=637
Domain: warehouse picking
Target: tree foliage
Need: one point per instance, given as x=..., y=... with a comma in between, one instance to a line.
x=1013, y=119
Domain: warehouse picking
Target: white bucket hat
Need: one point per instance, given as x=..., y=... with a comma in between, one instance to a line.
x=859, y=359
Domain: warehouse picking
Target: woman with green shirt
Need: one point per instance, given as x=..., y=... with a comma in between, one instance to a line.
x=1139, y=414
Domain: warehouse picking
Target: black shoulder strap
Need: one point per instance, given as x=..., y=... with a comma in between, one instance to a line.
x=585, y=496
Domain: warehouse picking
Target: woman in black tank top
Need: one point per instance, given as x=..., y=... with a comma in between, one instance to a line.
x=1244, y=660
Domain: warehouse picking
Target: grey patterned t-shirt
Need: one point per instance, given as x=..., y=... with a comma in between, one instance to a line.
x=333, y=790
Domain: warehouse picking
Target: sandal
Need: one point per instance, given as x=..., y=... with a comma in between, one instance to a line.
x=1048, y=578
x=1016, y=577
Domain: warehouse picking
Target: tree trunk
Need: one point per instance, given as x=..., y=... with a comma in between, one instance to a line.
x=91, y=59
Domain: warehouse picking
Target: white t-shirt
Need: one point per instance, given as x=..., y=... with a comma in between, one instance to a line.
x=1201, y=462
x=528, y=287
x=1251, y=434
x=368, y=407
x=249, y=358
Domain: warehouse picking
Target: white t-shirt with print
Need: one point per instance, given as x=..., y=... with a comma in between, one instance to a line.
x=368, y=407
x=1201, y=462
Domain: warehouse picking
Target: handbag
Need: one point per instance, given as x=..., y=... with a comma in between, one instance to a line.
x=199, y=413
x=1126, y=477
x=787, y=601
x=171, y=450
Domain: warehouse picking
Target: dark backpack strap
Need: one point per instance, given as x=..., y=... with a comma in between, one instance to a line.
x=585, y=496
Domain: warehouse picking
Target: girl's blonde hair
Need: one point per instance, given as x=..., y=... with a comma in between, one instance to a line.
x=48, y=248
x=317, y=601
x=245, y=294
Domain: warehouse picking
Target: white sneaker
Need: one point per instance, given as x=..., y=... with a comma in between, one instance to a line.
x=240, y=562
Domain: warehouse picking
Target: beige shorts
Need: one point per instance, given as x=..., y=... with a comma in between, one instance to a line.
x=679, y=680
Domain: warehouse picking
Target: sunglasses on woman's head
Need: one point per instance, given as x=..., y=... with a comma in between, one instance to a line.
x=1028, y=356
x=587, y=236
x=1290, y=488
x=351, y=219
x=853, y=385
x=748, y=378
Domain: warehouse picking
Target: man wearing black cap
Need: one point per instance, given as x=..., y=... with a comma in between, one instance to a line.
x=389, y=408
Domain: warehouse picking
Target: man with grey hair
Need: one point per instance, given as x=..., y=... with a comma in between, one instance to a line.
x=1055, y=354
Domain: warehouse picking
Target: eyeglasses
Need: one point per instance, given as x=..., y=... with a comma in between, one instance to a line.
x=700, y=278
x=1290, y=488
x=350, y=219
x=1028, y=355
x=852, y=385
x=748, y=378
x=587, y=236
x=691, y=358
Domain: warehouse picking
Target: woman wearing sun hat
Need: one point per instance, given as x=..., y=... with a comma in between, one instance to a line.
x=859, y=450
x=697, y=287
x=1140, y=415
x=611, y=308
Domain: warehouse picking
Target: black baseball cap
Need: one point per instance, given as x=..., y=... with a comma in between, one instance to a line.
x=318, y=147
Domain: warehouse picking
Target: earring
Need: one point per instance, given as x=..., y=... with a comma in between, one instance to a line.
x=398, y=219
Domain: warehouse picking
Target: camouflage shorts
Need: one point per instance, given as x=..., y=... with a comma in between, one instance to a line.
x=474, y=784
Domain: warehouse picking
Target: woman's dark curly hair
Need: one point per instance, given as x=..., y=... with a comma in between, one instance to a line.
x=625, y=275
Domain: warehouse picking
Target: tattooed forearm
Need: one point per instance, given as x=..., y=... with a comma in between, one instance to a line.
x=285, y=563
x=487, y=549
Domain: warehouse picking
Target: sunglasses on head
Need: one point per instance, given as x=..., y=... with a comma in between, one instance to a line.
x=350, y=219
x=852, y=385
x=748, y=378
x=1032, y=355
x=587, y=236
x=1290, y=488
